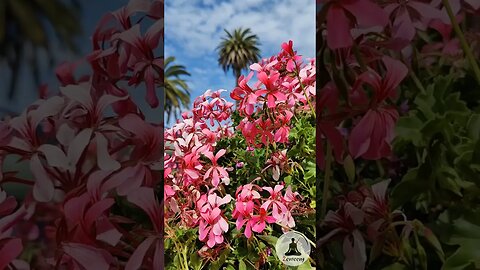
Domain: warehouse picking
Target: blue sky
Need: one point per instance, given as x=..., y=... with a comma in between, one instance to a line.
x=193, y=29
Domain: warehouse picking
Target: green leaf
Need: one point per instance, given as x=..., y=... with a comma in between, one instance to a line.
x=476, y=153
x=408, y=129
x=377, y=248
x=396, y=266
x=195, y=261
x=230, y=267
x=305, y=266
x=425, y=102
x=413, y=183
x=426, y=233
x=433, y=127
x=467, y=254
x=271, y=240
x=242, y=265
x=407, y=249
x=473, y=127
x=421, y=254
x=465, y=231
x=221, y=260
x=349, y=166
x=448, y=183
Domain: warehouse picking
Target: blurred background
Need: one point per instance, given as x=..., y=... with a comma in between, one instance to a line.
x=38, y=35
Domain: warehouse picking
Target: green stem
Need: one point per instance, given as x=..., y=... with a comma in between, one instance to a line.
x=417, y=82
x=326, y=182
x=185, y=250
x=358, y=56
x=381, y=171
x=463, y=41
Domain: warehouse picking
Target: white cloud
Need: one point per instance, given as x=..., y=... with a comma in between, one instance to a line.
x=196, y=27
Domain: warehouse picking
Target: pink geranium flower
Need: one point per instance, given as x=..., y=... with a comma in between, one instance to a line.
x=371, y=136
x=258, y=222
x=272, y=91
x=10, y=247
x=275, y=201
x=216, y=172
x=411, y=15
x=212, y=223
x=243, y=213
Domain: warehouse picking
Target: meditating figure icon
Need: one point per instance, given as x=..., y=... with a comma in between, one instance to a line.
x=292, y=249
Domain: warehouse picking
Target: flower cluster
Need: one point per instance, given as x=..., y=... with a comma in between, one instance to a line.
x=255, y=213
x=284, y=82
x=364, y=208
x=199, y=168
x=192, y=163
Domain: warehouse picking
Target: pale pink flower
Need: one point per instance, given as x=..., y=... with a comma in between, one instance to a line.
x=212, y=223
x=216, y=172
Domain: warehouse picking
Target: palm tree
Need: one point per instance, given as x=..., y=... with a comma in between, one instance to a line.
x=238, y=50
x=177, y=92
x=27, y=26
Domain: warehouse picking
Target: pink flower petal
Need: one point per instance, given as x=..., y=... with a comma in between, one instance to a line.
x=158, y=259
x=354, y=252
x=49, y=107
x=360, y=137
x=96, y=210
x=43, y=188
x=89, y=257
x=107, y=232
x=78, y=146
x=135, y=261
x=259, y=227
x=104, y=160
x=54, y=155
x=144, y=197
x=338, y=28
x=10, y=250
x=367, y=13
x=79, y=93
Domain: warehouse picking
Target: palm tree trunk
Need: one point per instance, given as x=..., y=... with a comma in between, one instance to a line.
x=237, y=76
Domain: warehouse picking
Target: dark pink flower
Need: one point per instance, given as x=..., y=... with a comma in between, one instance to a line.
x=345, y=222
x=272, y=91
x=258, y=222
x=449, y=45
x=144, y=197
x=10, y=247
x=344, y=15
x=372, y=135
x=409, y=16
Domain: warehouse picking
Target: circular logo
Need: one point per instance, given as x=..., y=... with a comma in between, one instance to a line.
x=293, y=248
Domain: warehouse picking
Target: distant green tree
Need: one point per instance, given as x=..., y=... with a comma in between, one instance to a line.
x=238, y=50
x=177, y=92
x=27, y=26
